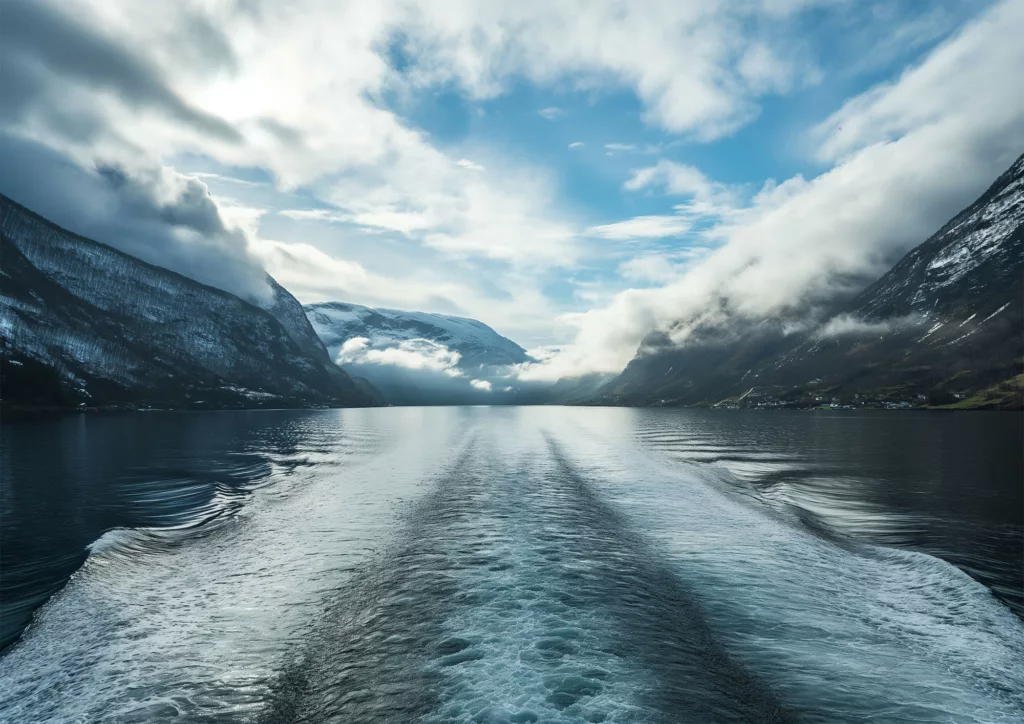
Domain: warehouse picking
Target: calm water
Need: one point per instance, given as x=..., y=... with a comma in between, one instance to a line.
x=513, y=565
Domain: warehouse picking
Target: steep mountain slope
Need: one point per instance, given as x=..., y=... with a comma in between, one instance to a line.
x=420, y=358
x=85, y=324
x=970, y=264
x=944, y=323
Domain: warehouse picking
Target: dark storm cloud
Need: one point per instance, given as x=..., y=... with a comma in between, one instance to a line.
x=157, y=215
x=34, y=37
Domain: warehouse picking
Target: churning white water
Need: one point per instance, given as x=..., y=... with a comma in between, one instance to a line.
x=511, y=565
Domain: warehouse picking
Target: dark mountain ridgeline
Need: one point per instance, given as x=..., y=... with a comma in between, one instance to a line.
x=945, y=326
x=83, y=324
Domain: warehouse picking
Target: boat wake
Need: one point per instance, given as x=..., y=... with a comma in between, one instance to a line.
x=509, y=567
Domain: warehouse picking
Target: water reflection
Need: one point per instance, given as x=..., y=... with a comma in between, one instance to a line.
x=66, y=481
x=948, y=484
x=513, y=565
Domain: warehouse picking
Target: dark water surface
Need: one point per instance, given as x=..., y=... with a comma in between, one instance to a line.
x=513, y=565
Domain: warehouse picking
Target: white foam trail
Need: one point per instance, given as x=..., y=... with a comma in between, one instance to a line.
x=198, y=621
x=114, y=539
x=201, y=628
x=847, y=631
x=530, y=654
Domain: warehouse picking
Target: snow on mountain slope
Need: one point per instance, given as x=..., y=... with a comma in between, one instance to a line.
x=476, y=343
x=418, y=357
x=946, y=320
x=84, y=323
x=965, y=268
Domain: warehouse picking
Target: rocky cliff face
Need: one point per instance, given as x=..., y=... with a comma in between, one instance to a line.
x=945, y=323
x=84, y=324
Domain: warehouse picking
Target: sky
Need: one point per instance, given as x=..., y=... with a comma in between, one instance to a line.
x=575, y=174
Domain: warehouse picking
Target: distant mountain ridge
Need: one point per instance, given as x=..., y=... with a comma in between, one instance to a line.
x=476, y=343
x=945, y=324
x=420, y=357
x=82, y=323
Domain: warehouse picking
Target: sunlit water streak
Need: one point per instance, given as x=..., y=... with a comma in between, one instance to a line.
x=512, y=565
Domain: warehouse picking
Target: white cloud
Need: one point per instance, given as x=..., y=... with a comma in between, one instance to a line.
x=576, y=144
x=655, y=268
x=228, y=179
x=675, y=178
x=551, y=113
x=682, y=59
x=642, y=227
x=296, y=90
x=316, y=215
x=299, y=81
x=352, y=348
x=846, y=325
x=910, y=154
x=316, y=276
x=620, y=147
x=764, y=71
x=299, y=90
x=708, y=198
x=461, y=212
x=412, y=354
x=942, y=94
x=660, y=267
x=484, y=385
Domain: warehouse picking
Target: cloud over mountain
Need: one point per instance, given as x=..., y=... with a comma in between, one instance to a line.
x=154, y=213
x=905, y=154
x=476, y=159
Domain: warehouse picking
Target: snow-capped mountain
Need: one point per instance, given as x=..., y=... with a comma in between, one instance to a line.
x=476, y=343
x=85, y=324
x=420, y=358
x=967, y=270
x=944, y=323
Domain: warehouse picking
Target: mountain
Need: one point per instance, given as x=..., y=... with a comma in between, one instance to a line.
x=417, y=358
x=944, y=326
x=83, y=324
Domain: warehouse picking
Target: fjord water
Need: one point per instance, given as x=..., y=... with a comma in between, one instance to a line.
x=513, y=565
